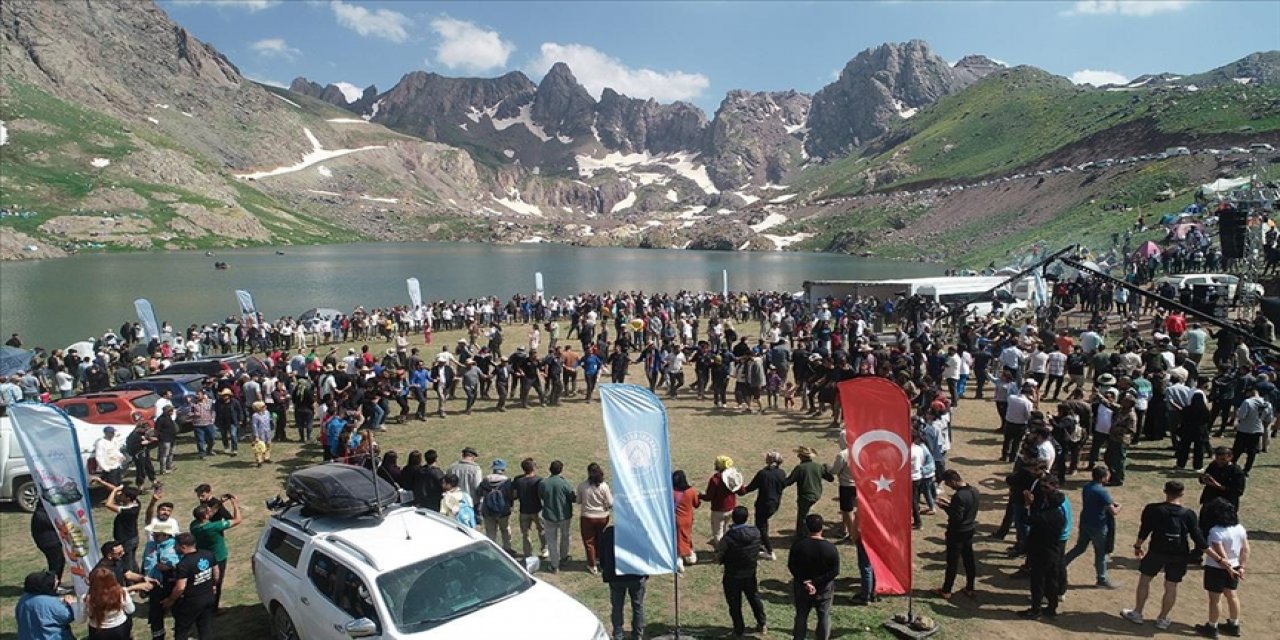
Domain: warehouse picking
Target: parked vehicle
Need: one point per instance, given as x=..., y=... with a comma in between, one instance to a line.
x=1259, y=147
x=184, y=388
x=16, y=483
x=1177, y=151
x=411, y=573
x=1188, y=280
x=214, y=367
x=112, y=407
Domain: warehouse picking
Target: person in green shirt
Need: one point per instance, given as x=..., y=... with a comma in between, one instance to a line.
x=209, y=537
x=808, y=477
x=557, y=497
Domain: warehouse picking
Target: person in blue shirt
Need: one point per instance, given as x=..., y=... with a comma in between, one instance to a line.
x=1097, y=525
x=591, y=365
x=333, y=436
x=41, y=614
x=419, y=382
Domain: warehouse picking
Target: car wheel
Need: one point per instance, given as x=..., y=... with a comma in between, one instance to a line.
x=282, y=625
x=27, y=495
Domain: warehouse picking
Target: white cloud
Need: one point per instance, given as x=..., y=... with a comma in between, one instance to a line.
x=464, y=45
x=349, y=91
x=597, y=70
x=382, y=23
x=1139, y=8
x=1098, y=78
x=252, y=6
x=274, y=48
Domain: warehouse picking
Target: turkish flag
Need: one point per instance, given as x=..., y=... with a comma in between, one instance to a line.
x=877, y=423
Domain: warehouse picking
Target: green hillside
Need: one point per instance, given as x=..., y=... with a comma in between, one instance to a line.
x=50, y=172
x=1016, y=117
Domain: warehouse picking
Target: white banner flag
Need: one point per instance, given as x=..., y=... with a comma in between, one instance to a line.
x=537, y=283
x=415, y=292
x=147, y=316
x=248, y=310
x=52, y=449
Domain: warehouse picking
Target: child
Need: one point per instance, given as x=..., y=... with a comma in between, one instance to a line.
x=789, y=396
x=773, y=384
x=262, y=432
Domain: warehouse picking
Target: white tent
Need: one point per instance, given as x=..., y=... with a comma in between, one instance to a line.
x=1224, y=185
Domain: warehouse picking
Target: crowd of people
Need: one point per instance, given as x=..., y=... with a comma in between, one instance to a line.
x=1062, y=398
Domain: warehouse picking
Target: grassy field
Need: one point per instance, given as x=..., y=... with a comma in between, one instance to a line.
x=573, y=433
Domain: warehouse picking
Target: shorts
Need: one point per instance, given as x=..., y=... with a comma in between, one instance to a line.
x=1153, y=563
x=848, y=496
x=1076, y=379
x=1218, y=580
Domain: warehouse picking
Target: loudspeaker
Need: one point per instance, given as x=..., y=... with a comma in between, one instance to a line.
x=1231, y=228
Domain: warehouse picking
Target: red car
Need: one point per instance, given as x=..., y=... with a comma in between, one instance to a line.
x=112, y=407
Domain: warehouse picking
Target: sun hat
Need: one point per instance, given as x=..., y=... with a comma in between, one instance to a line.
x=1106, y=379
x=804, y=452
x=224, y=392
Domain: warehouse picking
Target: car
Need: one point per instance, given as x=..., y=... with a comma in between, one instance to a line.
x=112, y=407
x=1188, y=280
x=184, y=388
x=1259, y=147
x=16, y=483
x=409, y=573
x=215, y=366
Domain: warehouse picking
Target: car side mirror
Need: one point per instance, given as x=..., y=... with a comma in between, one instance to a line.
x=361, y=628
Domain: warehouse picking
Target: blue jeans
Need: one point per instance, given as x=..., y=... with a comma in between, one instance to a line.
x=963, y=384
x=204, y=439
x=1097, y=537
x=375, y=421
x=618, y=592
x=866, y=573
x=230, y=437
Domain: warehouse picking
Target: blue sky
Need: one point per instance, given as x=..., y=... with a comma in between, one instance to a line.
x=697, y=51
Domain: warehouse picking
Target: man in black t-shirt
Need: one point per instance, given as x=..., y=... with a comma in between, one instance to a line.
x=814, y=564
x=192, y=599
x=1170, y=526
x=526, y=490
x=962, y=517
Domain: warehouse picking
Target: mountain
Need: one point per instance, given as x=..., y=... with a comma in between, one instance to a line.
x=121, y=130
x=1261, y=68
x=879, y=86
x=335, y=95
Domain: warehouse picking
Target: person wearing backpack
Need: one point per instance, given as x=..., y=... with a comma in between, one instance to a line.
x=1170, y=525
x=456, y=503
x=495, y=504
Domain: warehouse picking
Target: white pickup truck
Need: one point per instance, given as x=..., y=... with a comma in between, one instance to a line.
x=16, y=484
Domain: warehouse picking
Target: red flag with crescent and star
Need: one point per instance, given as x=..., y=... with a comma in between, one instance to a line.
x=877, y=429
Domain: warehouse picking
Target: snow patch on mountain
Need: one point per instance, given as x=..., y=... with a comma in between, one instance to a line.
x=501, y=124
x=625, y=203
x=517, y=205
x=317, y=155
x=770, y=221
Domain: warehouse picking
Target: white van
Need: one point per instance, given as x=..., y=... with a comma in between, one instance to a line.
x=16, y=484
x=1188, y=280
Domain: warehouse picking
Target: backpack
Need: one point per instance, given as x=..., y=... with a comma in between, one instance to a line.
x=466, y=515
x=495, y=502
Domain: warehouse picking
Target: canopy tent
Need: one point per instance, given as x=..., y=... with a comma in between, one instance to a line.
x=1224, y=186
x=14, y=360
x=1180, y=231
x=1168, y=219
x=82, y=348
x=1148, y=249
x=1194, y=207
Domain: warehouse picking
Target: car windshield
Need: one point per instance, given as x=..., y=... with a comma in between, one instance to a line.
x=430, y=593
x=194, y=386
x=146, y=402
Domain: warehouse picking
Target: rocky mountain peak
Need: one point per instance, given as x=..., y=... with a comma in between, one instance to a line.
x=334, y=95
x=877, y=86
x=561, y=106
x=756, y=138
x=972, y=68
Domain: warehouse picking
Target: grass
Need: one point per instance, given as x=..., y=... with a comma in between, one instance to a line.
x=1015, y=117
x=573, y=433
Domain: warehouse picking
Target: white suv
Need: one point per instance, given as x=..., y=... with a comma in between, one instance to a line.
x=410, y=574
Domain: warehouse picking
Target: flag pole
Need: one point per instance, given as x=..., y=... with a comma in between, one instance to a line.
x=677, y=574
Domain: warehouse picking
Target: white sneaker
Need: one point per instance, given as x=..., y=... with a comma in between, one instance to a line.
x=1163, y=623
x=1131, y=615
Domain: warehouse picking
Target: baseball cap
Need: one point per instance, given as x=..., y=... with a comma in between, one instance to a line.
x=108, y=429
x=499, y=465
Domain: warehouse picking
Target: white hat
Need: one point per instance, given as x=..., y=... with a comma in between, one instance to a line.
x=167, y=527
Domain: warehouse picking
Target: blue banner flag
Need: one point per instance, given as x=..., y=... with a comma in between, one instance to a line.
x=52, y=449
x=644, y=508
x=248, y=310
x=147, y=316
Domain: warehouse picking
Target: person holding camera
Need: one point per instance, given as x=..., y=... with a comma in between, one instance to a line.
x=209, y=533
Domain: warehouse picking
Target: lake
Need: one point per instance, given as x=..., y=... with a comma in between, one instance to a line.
x=53, y=303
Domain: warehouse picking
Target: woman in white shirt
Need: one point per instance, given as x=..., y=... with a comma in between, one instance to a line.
x=1224, y=563
x=596, y=501
x=108, y=606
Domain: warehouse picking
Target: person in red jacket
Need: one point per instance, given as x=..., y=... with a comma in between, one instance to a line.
x=721, y=494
